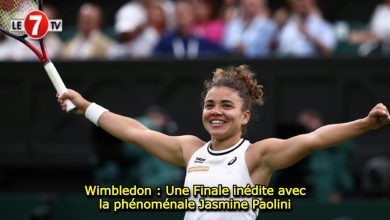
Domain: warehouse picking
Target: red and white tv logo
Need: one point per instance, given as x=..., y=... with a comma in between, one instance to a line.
x=36, y=25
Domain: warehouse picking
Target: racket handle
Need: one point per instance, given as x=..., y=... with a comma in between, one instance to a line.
x=58, y=83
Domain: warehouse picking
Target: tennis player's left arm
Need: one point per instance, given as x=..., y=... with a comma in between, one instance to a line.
x=280, y=153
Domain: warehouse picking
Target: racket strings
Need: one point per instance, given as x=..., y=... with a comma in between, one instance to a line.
x=15, y=9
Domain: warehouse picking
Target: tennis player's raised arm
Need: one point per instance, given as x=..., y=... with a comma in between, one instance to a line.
x=168, y=148
x=280, y=153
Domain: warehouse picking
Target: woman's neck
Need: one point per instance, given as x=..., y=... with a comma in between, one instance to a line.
x=218, y=144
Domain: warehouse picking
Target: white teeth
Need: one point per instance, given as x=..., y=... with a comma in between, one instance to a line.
x=217, y=122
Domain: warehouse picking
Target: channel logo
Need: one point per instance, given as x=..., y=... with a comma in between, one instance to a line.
x=36, y=25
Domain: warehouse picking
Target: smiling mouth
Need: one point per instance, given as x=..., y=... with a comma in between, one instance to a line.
x=217, y=123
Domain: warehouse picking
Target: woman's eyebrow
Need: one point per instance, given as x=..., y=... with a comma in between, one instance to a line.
x=227, y=101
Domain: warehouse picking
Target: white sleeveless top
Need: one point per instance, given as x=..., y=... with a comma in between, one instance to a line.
x=210, y=168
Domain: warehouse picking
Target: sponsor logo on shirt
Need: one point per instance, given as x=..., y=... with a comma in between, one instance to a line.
x=198, y=169
x=232, y=161
x=199, y=160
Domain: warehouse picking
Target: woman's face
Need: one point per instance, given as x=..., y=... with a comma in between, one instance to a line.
x=223, y=116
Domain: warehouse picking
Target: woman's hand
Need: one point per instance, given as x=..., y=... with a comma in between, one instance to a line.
x=80, y=103
x=378, y=117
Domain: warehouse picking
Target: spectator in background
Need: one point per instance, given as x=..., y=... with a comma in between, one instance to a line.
x=145, y=169
x=280, y=18
x=330, y=178
x=230, y=10
x=207, y=24
x=89, y=42
x=166, y=5
x=306, y=34
x=380, y=22
x=169, y=13
x=377, y=34
x=137, y=38
x=157, y=18
x=250, y=34
x=181, y=43
x=53, y=42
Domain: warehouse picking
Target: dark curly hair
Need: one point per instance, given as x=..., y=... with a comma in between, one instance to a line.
x=241, y=79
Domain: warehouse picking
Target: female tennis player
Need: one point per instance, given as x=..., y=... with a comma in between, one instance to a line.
x=226, y=159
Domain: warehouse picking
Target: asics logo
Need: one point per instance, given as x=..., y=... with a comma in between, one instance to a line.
x=232, y=161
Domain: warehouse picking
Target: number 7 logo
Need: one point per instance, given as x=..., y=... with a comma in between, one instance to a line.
x=38, y=19
x=36, y=24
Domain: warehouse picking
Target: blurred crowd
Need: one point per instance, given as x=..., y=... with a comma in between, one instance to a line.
x=191, y=29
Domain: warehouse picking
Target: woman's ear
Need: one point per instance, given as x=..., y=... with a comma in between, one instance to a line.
x=247, y=116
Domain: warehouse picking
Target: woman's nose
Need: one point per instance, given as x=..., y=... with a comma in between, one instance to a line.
x=216, y=112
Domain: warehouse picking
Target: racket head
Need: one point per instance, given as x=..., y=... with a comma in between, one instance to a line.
x=18, y=10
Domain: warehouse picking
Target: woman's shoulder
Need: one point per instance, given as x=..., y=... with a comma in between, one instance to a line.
x=267, y=141
x=264, y=144
x=192, y=140
x=190, y=144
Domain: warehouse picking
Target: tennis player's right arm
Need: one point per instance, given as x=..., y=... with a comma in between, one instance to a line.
x=171, y=149
x=167, y=148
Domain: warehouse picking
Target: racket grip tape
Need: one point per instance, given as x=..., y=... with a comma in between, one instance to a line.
x=59, y=85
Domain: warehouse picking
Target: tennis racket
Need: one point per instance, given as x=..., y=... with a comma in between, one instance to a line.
x=18, y=9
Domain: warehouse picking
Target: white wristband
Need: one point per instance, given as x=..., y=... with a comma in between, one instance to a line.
x=93, y=112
